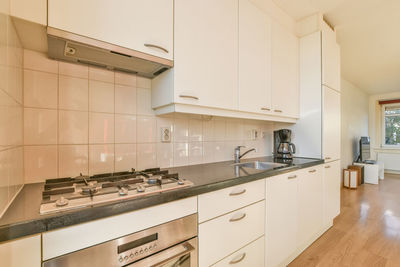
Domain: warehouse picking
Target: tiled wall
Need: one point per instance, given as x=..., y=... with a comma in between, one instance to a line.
x=11, y=112
x=83, y=119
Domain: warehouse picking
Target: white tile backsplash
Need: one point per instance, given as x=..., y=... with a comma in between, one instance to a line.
x=40, y=89
x=103, y=122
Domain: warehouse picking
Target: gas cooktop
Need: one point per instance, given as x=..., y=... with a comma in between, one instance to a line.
x=63, y=194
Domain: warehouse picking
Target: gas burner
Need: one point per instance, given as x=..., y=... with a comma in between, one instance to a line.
x=81, y=191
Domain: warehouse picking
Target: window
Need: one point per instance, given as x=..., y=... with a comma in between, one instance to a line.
x=391, y=125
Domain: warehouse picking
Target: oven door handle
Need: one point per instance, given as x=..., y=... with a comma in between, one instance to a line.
x=161, y=258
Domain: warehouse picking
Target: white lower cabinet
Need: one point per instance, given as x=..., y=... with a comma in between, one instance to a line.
x=23, y=252
x=332, y=178
x=226, y=234
x=251, y=255
x=294, y=213
x=310, y=205
x=281, y=199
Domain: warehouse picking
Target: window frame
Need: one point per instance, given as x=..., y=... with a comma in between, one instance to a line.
x=383, y=126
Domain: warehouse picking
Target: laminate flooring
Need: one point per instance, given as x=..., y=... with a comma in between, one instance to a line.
x=366, y=233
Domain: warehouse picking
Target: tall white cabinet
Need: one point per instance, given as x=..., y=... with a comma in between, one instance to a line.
x=318, y=131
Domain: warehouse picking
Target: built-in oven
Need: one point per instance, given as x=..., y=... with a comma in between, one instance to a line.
x=172, y=244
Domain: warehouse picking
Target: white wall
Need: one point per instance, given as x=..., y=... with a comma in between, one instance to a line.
x=354, y=120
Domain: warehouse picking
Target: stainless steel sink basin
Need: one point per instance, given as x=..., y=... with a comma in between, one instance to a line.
x=259, y=165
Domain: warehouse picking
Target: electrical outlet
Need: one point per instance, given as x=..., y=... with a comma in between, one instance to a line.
x=254, y=134
x=165, y=134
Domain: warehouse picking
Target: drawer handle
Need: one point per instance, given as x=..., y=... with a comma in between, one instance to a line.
x=267, y=109
x=239, y=259
x=233, y=219
x=237, y=193
x=327, y=158
x=189, y=96
x=312, y=171
x=327, y=166
x=292, y=177
x=157, y=46
x=278, y=110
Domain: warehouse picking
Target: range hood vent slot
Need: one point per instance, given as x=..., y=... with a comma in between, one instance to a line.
x=75, y=48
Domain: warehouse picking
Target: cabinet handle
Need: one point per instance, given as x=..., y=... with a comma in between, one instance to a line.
x=237, y=193
x=189, y=96
x=278, y=110
x=233, y=219
x=238, y=260
x=327, y=166
x=327, y=158
x=157, y=46
x=292, y=177
x=312, y=171
x=267, y=109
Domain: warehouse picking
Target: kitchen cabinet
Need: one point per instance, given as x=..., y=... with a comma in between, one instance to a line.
x=142, y=25
x=23, y=252
x=285, y=72
x=254, y=59
x=251, y=255
x=331, y=126
x=216, y=203
x=310, y=205
x=205, y=65
x=332, y=177
x=330, y=58
x=228, y=233
x=281, y=198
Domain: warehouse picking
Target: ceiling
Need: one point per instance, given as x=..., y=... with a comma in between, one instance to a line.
x=368, y=32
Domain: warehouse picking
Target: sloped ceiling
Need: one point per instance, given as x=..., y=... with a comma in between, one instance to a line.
x=368, y=32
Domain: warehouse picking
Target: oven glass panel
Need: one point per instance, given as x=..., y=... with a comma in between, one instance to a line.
x=183, y=261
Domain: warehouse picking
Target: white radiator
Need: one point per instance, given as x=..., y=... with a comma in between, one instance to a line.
x=391, y=160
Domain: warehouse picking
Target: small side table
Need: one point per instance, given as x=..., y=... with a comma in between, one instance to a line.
x=371, y=172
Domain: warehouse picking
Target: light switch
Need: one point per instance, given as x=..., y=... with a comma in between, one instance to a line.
x=165, y=134
x=254, y=134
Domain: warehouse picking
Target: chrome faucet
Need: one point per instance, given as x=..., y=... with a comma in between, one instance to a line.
x=237, y=153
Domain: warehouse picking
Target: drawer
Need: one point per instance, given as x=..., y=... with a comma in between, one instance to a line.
x=251, y=255
x=224, y=235
x=219, y=202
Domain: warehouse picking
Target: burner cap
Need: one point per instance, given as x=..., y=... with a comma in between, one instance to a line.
x=62, y=202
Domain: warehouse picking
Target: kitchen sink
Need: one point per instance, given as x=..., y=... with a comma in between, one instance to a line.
x=259, y=165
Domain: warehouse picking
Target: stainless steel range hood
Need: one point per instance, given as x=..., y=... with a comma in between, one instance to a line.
x=67, y=46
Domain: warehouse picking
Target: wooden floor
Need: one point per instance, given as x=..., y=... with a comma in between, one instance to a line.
x=366, y=233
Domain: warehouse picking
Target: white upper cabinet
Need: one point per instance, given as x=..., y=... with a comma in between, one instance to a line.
x=254, y=59
x=331, y=124
x=285, y=72
x=206, y=44
x=142, y=25
x=30, y=10
x=330, y=58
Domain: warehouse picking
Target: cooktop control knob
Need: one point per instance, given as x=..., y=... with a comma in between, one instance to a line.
x=131, y=255
x=141, y=251
x=120, y=259
x=140, y=188
x=126, y=258
x=136, y=253
x=146, y=249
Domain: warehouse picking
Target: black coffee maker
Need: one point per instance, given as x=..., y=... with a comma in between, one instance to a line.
x=283, y=148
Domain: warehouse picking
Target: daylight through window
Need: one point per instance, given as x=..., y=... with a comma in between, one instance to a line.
x=392, y=125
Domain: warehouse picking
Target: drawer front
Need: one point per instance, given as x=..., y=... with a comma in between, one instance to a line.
x=224, y=235
x=219, y=202
x=251, y=255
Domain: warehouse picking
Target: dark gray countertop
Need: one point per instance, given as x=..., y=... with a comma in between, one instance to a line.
x=23, y=218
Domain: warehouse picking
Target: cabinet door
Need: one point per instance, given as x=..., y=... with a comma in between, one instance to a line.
x=332, y=191
x=331, y=124
x=285, y=72
x=24, y=252
x=330, y=58
x=141, y=25
x=206, y=53
x=281, y=217
x=254, y=59
x=310, y=210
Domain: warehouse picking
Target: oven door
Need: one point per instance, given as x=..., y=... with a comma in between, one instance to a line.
x=181, y=255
